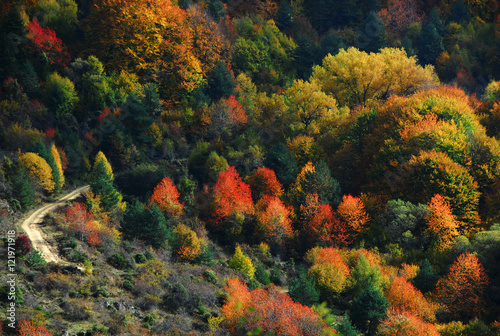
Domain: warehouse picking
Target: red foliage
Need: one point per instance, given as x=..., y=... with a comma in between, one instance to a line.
x=49, y=133
x=406, y=324
x=324, y=228
x=270, y=310
x=264, y=182
x=462, y=288
x=398, y=15
x=236, y=111
x=81, y=221
x=404, y=297
x=64, y=158
x=27, y=328
x=104, y=113
x=231, y=195
x=352, y=211
x=274, y=219
x=166, y=197
x=45, y=42
x=23, y=244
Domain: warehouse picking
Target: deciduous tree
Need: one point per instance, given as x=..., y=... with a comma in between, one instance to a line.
x=352, y=211
x=39, y=169
x=441, y=223
x=264, y=182
x=242, y=262
x=166, y=197
x=274, y=223
x=27, y=328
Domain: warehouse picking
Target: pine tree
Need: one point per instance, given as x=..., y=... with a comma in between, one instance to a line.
x=282, y=161
x=302, y=289
x=430, y=44
x=368, y=309
x=23, y=190
x=331, y=43
x=460, y=12
x=216, y=9
x=285, y=17
x=407, y=45
x=220, y=82
x=426, y=277
x=436, y=20
x=102, y=183
x=40, y=148
x=374, y=36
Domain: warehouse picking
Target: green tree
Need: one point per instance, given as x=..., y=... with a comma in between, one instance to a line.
x=282, y=161
x=22, y=190
x=369, y=308
x=374, y=37
x=285, y=16
x=460, y=12
x=221, y=83
x=430, y=44
x=216, y=9
x=102, y=184
x=365, y=275
x=426, y=278
x=242, y=262
x=59, y=95
x=40, y=148
x=302, y=289
x=346, y=327
x=148, y=225
x=261, y=274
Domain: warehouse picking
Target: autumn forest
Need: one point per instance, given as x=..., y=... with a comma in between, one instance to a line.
x=250, y=167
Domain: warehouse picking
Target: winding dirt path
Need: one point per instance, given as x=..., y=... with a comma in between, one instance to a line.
x=32, y=228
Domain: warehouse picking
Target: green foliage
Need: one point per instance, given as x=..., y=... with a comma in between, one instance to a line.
x=140, y=258
x=430, y=44
x=347, y=328
x=282, y=161
x=59, y=95
x=216, y=9
x=148, y=225
x=302, y=289
x=35, y=259
x=40, y=148
x=261, y=274
x=365, y=275
x=426, y=277
x=275, y=275
x=127, y=284
x=242, y=262
x=369, y=308
x=220, y=82
x=375, y=36
x=210, y=276
x=23, y=190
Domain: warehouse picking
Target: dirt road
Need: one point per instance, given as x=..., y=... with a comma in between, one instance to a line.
x=32, y=228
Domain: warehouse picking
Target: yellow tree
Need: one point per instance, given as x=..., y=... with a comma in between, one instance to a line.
x=57, y=159
x=242, y=262
x=39, y=169
x=441, y=223
x=355, y=77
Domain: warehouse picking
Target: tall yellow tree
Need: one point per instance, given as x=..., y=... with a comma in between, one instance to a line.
x=57, y=159
x=39, y=169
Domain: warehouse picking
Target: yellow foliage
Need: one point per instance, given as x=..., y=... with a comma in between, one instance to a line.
x=39, y=169
x=57, y=159
x=242, y=262
x=109, y=171
x=187, y=244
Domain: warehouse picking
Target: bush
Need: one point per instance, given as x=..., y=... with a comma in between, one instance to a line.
x=127, y=284
x=118, y=261
x=276, y=276
x=23, y=244
x=210, y=276
x=140, y=258
x=35, y=259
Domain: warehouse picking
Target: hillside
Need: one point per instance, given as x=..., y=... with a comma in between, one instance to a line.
x=261, y=167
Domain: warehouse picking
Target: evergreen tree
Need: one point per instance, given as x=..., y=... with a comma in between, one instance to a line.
x=426, y=277
x=407, y=45
x=346, y=327
x=282, y=161
x=216, y=9
x=373, y=33
x=460, y=12
x=220, y=82
x=368, y=309
x=302, y=289
x=368, y=6
x=261, y=275
x=102, y=183
x=285, y=17
x=304, y=56
x=22, y=190
x=12, y=40
x=331, y=43
x=436, y=20
x=148, y=225
x=430, y=44
x=349, y=13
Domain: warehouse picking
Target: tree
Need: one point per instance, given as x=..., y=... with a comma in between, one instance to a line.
x=365, y=274
x=57, y=174
x=242, y=262
x=328, y=270
x=352, y=211
x=216, y=9
x=37, y=168
x=59, y=95
x=430, y=44
x=436, y=20
x=325, y=229
x=441, y=223
x=45, y=42
x=146, y=224
x=282, y=161
x=221, y=82
x=23, y=190
x=460, y=12
x=81, y=222
x=462, y=288
x=263, y=182
x=374, y=36
x=59, y=167
x=285, y=16
x=406, y=324
x=368, y=309
x=232, y=197
x=27, y=328
x=186, y=243
x=166, y=197
x=398, y=15
x=273, y=218
x=354, y=77
x=23, y=244
x=102, y=183
x=403, y=297
x=302, y=289
x=426, y=277
x=155, y=39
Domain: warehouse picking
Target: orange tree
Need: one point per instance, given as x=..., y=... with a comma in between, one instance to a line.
x=166, y=197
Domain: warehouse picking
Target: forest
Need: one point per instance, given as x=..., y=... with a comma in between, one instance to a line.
x=250, y=167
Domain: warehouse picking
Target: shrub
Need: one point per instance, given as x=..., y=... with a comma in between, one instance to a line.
x=210, y=276
x=140, y=258
x=23, y=244
x=35, y=259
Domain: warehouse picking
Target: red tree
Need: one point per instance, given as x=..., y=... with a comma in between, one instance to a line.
x=166, y=197
x=404, y=297
x=274, y=220
x=82, y=222
x=352, y=211
x=324, y=228
x=406, y=324
x=264, y=182
x=462, y=288
x=398, y=15
x=45, y=42
x=231, y=195
x=441, y=222
x=23, y=243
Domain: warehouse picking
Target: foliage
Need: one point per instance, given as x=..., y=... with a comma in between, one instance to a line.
x=273, y=218
x=354, y=77
x=186, y=243
x=264, y=182
x=102, y=184
x=242, y=262
x=23, y=244
x=302, y=289
x=328, y=270
x=368, y=309
x=352, y=211
x=57, y=158
x=81, y=222
x=462, y=288
x=28, y=328
x=45, y=42
x=60, y=95
x=38, y=168
x=282, y=161
x=441, y=223
x=166, y=197
x=325, y=229
x=23, y=190
x=426, y=277
x=35, y=259
x=404, y=323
